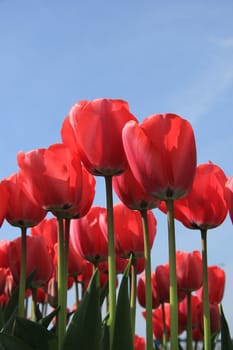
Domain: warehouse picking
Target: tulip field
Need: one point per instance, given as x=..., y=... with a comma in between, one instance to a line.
x=73, y=277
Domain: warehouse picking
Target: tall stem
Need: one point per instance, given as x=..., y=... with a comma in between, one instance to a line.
x=133, y=286
x=111, y=258
x=206, y=309
x=62, y=282
x=189, y=322
x=22, y=281
x=164, y=328
x=149, y=333
x=173, y=279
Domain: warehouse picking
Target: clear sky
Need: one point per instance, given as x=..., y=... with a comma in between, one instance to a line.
x=160, y=56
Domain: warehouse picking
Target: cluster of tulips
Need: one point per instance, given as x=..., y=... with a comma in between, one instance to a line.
x=85, y=247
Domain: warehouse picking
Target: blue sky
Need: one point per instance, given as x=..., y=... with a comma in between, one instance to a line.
x=159, y=56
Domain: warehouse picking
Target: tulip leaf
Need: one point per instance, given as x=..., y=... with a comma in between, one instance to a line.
x=33, y=334
x=105, y=333
x=123, y=335
x=9, y=342
x=226, y=341
x=48, y=319
x=84, y=331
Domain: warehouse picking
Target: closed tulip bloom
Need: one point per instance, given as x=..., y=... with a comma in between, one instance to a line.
x=87, y=236
x=183, y=312
x=162, y=154
x=189, y=270
x=129, y=231
x=23, y=209
x=157, y=319
x=214, y=318
x=216, y=285
x=162, y=278
x=97, y=126
x=54, y=176
x=141, y=291
x=37, y=258
x=229, y=196
x=131, y=193
x=205, y=206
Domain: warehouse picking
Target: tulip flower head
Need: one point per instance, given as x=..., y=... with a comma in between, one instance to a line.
x=162, y=154
x=96, y=127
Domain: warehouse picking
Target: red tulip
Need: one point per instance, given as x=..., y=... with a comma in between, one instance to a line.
x=4, y=195
x=183, y=312
x=162, y=278
x=139, y=343
x=205, y=206
x=214, y=318
x=23, y=210
x=131, y=193
x=54, y=176
x=157, y=321
x=37, y=258
x=129, y=231
x=229, y=196
x=216, y=285
x=189, y=270
x=141, y=291
x=87, y=236
x=162, y=154
x=97, y=127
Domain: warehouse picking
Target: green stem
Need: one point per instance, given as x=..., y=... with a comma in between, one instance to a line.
x=189, y=322
x=133, y=287
x=206, y=310
x=164, y=328
x=62, y=282
x=149, y=332
x=22, y=281
x=173, y=280
x=111, y=258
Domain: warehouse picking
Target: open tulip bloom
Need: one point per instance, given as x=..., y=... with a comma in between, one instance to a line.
x=86, y=247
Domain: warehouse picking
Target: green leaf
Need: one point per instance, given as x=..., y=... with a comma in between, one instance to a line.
x=9, y=342
x=84, y=331
x=123, y=335
x=48, y=319
x=105, y=333
x=226, y=342
x=32, y=333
